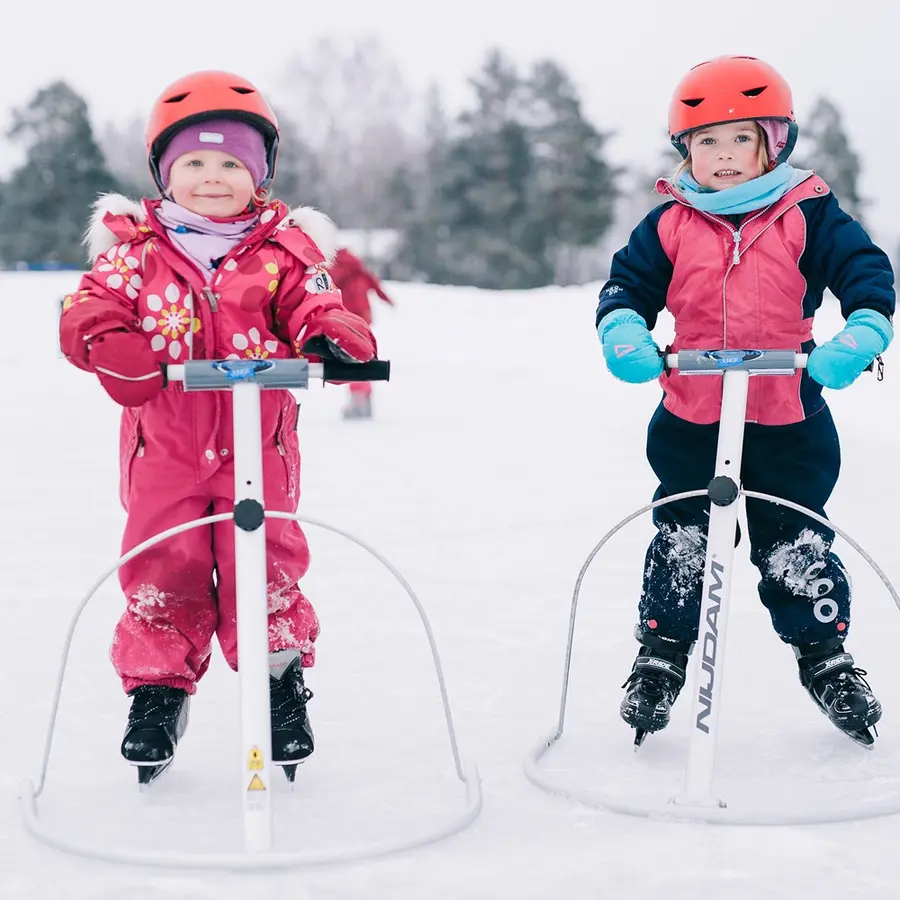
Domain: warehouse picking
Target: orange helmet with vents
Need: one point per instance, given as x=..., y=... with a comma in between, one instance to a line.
x=202, y=96
x=731, y=89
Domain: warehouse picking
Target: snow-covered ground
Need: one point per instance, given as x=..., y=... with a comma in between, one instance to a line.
x=500, y=453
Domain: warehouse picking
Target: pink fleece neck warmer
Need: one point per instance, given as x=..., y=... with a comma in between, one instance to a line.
x=204, y=241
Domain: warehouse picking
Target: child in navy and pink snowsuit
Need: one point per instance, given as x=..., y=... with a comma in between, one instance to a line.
x=740, y=254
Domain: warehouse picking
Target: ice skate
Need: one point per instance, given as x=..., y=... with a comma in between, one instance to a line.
x=292, y=736
x=156, y=722
x=840, y=690
x=656, y=679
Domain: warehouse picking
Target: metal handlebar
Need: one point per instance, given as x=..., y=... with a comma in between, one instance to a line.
x=716, y=362
x=212, y=374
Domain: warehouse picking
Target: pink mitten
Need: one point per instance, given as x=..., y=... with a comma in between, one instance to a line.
x=126, y=366
x=339, y=334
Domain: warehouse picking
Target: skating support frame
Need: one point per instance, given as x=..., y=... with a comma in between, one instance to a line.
x=235, y=860
x=669, y=809
x=253, y=633
x=697, y=802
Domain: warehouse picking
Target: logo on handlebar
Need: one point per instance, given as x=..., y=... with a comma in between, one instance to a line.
x=726, y=359
x=242, y=369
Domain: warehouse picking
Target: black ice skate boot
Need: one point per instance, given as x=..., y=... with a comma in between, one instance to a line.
x=655, y=681
x=292, y=736
x=156, y=722
x=839, y=689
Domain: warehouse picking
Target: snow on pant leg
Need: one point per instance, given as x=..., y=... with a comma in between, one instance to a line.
x=683, y=456
x=292, y=620
x=165, y=633
x=804, y=585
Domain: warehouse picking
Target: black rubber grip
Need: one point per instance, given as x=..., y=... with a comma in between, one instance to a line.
x=374, y=370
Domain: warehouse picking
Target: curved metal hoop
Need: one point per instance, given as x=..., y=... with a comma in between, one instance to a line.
x=468, y=774
x=668, y=810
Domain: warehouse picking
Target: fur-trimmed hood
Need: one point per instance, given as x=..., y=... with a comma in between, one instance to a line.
x=98, y=238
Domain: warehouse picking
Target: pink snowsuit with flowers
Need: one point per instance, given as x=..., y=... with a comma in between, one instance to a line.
x=176, y=449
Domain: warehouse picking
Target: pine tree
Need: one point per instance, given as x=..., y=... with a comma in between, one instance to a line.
x=828, y=151
x=486, y=190
x=47, y=201
x=421, y=255
x=518, y=182
x=575, y=189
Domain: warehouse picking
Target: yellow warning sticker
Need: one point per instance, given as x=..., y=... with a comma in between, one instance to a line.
x=256, y=784
x=255, y=760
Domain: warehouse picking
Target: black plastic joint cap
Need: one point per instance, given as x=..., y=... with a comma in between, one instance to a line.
x=248, y=514
x=722, y=490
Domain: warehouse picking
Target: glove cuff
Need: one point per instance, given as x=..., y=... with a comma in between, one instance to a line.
x=880, y=324
x=619, y=317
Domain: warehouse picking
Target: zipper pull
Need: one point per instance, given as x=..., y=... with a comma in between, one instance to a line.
x=212, y=298
x=736, y=258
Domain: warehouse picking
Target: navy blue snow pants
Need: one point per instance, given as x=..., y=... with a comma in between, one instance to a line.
x=803, y=584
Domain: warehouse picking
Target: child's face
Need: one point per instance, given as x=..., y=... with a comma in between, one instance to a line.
x=211, y=183
x=725, y=155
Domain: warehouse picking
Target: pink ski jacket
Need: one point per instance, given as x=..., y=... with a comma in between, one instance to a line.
x=754, y=285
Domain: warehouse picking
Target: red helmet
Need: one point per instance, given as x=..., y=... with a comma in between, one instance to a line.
x=200, y=97
x=731, y=89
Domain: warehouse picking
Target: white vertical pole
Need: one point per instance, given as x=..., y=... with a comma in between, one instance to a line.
x=252, y=625
x=706, y=673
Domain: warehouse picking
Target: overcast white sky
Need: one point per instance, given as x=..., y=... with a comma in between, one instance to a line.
x=625, y=55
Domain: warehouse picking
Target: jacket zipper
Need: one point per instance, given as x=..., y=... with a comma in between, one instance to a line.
x=736, y=256
x=736, y=236
x=735, y=261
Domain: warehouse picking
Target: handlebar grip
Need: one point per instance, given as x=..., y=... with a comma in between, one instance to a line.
x=374, y=370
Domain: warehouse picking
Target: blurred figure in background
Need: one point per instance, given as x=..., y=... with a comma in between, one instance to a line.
x=354, y=281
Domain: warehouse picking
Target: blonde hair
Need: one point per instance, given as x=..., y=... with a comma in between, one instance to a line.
x=762, y=158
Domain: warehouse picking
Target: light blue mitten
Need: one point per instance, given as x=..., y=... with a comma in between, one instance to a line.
x=630, y=352
x=840, y=361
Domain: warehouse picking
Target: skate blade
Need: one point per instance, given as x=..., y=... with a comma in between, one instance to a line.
x=865, y=737
x=148, y=774
x=289, y=768
x=642, y=726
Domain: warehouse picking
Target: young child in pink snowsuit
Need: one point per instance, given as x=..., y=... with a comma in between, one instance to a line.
x=354, y=281
x=212, y=270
